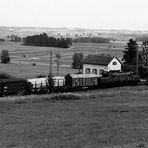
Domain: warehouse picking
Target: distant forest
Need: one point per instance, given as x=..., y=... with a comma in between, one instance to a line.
x=141, y=37
x=91, y=40
x=44, y=40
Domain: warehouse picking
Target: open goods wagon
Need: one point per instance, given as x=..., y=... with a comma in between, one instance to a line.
x=40, y=85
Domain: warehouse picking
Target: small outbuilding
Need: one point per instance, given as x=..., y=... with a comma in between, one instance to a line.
x=96, y=64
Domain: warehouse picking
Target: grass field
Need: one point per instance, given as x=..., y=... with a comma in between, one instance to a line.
x=106, y=118
x=22, y=57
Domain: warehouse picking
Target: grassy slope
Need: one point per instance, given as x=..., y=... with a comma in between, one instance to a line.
x=22, y=66
x=29, y=71
x=102, y=118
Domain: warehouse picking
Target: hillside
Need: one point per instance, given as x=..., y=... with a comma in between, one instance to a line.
x=100, y=118
x=121, y=35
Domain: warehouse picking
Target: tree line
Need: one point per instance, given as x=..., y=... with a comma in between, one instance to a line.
x=133, y=57
x=91, y=40
x=44, y=40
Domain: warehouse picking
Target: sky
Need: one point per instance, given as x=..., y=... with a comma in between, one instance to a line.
x=90, y=14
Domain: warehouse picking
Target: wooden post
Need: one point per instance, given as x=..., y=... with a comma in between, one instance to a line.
x=137, y=60
x=50, y=69
x=57, y=66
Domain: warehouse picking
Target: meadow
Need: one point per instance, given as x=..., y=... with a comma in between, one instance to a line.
x=22, y=57
x=105, y=118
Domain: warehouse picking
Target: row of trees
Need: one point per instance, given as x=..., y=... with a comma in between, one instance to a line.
x=15, y=38
x=91, y=40
x=44, y=40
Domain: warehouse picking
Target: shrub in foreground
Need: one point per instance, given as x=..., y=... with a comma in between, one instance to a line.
x=66, y=96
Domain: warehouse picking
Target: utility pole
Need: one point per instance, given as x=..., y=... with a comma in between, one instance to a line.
x=58, y=56
x=137, y=60
x=57, y=67
x=50, y=70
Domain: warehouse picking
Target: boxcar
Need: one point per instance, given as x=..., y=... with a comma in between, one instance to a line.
x=12, y=86
x=81, y=80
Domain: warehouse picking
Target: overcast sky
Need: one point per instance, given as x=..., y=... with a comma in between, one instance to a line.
x=93, y=14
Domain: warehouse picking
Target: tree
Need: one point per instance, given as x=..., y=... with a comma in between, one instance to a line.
x=50, y=85
x=5, y=56
x=130, y=52
x=77, y=60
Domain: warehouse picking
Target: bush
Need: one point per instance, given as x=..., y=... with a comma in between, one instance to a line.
x=41, y=76
x=33, y=64
x=2, y=40
x=5, y=56
x=6, y=76
x=143, y=71
x=128, y=68
x=67, y=96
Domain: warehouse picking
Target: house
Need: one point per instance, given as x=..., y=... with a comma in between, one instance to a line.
x=98, y=63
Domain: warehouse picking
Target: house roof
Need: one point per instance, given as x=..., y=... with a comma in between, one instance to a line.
x=98, y=59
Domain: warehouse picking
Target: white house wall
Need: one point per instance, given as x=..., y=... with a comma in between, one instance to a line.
x=91, y=67
x=110, y=66
x=114, y=67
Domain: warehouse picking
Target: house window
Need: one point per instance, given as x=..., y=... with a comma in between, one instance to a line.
x=114, y=63
x=94, y=71
x=87, y=70
x=101, y=71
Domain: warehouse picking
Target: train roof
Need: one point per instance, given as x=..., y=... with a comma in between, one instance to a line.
x=12, y=80
x=82, y=75
x=58, y=77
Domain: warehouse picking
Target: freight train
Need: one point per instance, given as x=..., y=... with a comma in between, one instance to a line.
x=78, y=81
x=68, y=83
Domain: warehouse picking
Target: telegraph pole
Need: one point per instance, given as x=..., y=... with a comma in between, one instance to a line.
x=57, y=66
x=58, y=56
x=50, y=68
x=137, y=60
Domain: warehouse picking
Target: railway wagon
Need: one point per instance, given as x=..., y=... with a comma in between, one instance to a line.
x=78, y=81
x=118, y=79
x=38, y=84
x=59, y=81
x=12, y=86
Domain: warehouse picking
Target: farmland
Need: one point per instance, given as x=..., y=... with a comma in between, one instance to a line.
x=22, y=57
x=99, y=118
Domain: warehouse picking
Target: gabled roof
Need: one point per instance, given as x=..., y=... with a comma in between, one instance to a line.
x=98, y=59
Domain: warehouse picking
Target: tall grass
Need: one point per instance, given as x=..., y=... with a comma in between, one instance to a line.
x=114, y=92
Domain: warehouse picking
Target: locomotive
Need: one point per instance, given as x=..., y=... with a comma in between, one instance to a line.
x=67, y=83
